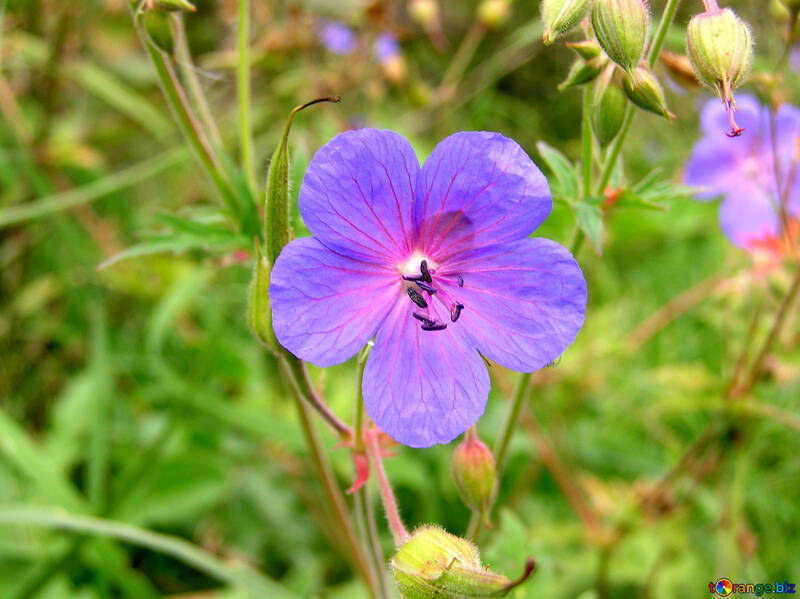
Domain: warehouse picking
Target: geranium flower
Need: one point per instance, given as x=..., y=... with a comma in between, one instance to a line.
x=435, y=263
x=386, y=48
x=743, y=170
x=337, y=37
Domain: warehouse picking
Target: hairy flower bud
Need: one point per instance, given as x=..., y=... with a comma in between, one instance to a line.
x=475, y=474
x=609, y=110
x=561, y=16
x=587, y=49
x=622, y=28
x=721, y=50
x=583, y=71
x=644, y=90
x=259, y=314
x=433, y=564
x=493, y=13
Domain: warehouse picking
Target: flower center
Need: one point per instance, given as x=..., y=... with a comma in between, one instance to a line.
x=425, y=291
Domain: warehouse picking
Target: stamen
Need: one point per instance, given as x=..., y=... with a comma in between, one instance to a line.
x=412, y=278
x=417, y=298
x=425, y=287
x=455, y=311
x=460, y=281
x=423, y=319
x=426, y=275
x=433, y=326
x=736, y=130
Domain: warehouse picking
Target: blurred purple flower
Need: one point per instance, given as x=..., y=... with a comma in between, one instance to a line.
x=743, y=170
x=794, y=58
x=434, y=262
x=386, y=47
x=337, y=37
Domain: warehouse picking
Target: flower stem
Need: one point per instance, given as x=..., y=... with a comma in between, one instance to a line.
x=464, y=53
x=399, y=532
x=301, y=383
x=587, y=140
x=243, y=89
x=711, y=5
x=772, y=337
x=334, y=496
x=503, y=439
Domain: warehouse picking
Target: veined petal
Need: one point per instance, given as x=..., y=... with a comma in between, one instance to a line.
x=476, y=189
x=747, y=214
x=524, y=302
x=357, y=194
x=326, y=306
x=423, y=387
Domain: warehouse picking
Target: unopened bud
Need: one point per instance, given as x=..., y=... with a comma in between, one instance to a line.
x=475, y=474
x=622, y=28
x=587, y=49
x=583, y=71
x=424, y=12
x=433, y=564
x=171, y=5
x=680, y=69
x=721, y=50
x=562, y=16
x=644, y=90
x=259, y=314
x=609, y=110
x=493, y=13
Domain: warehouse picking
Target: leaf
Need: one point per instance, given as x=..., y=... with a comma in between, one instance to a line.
x=590, y=220
x=564, y=181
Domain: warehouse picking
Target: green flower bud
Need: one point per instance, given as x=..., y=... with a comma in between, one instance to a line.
x=587, y=49
x=622, y=28
x=433, y=564
x=608, y=110
x=644, y=90
x=721, y=50
x=259, y=313
x=475, y=474
x=561, y=16
x=583, y=71
x=171, y=5
x=493, y=13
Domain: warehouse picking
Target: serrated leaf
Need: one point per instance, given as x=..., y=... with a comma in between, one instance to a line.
x=564, y=180
x=590, y=220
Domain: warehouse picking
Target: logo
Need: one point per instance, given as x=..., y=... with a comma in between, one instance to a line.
x=725, y=586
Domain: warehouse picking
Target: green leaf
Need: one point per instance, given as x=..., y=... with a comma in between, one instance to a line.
x=590, y=220
x=564, y=180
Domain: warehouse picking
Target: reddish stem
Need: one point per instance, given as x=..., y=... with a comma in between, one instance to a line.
x=399, y=532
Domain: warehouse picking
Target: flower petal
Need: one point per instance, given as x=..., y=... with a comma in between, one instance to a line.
x=357, y=194
x=748, y=214
x=524, y=302
x=326, y=306
x=476, y=189
x=712, y=166
x=423, y=387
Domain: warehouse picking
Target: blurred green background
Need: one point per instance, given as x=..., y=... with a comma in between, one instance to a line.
x=135, y=391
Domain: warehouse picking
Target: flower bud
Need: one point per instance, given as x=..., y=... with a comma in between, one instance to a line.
x=583, y=71
x=721, y=50
x=609, y=112
x=622, y=27
x=493, y=13
x=680, y=69
x=259, y=314
x=433, y=564
x=587, y=49
x=561, y=16
x=171, y=5
x=475, y=474
x=644, y=90
x=424, y=12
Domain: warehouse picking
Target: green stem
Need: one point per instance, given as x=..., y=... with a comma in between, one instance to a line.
x=239, y=575
x=243, y=88
x=503, y=440
x=587, y=140
x=334, y=496
x=304, y=389
x=464, y=54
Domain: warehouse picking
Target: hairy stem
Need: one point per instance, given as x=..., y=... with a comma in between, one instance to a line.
x=301, y=383
x=399, y=532
x=243, y=92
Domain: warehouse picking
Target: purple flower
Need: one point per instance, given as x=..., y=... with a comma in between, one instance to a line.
x=435, y=263
x=386, y=47
x=743, y=170
x=794, y=58
x=337, y=37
